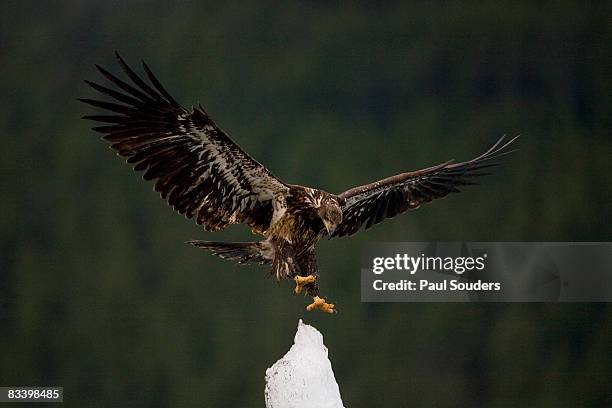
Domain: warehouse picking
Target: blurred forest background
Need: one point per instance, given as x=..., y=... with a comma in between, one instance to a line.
x=99, y=294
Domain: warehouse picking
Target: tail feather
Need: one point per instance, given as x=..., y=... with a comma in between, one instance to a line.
x=241, y=252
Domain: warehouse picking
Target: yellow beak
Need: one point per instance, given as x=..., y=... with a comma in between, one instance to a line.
x=330, y=227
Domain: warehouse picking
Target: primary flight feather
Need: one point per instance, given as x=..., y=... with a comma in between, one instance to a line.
x=205, y=175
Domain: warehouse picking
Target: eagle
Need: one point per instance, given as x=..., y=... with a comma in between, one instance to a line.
x=204, y=175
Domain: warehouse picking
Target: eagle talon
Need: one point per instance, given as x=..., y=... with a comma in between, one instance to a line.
x=321, y=304
x=301, y=281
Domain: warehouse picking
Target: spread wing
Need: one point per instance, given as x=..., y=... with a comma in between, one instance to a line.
x=372, y=203
x=197, y=168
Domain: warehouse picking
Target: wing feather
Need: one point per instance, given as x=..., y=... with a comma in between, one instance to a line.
x=196, y=167
x=372, y=203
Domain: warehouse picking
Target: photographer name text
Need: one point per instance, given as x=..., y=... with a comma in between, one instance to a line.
x=422, y=263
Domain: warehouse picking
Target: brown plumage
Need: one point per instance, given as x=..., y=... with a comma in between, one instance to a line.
x=204, y=175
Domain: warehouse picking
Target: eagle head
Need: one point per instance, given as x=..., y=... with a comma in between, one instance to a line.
x=331, y=214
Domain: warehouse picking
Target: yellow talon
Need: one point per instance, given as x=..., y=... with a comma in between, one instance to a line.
x=301, y=281
x=321, y=304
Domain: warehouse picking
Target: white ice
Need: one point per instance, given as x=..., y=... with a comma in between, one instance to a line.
x=303, y=378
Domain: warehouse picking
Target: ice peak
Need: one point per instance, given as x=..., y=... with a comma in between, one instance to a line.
x=308, y=336
x=303, y=378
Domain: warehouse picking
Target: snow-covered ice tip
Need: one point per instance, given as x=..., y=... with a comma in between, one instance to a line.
x=303, y=378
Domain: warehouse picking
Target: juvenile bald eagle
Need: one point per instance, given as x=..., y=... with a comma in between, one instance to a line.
x=204, y=175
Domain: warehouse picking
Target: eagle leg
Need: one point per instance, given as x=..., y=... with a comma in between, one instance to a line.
x=321, y=304
x=301, y=281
